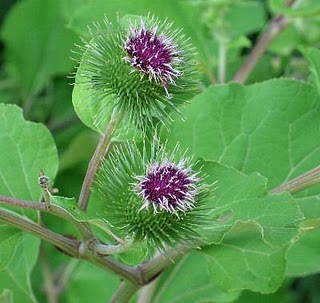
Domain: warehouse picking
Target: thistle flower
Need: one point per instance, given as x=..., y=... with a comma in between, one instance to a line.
x=145, y=70
x=168, y=187
x=156, y=198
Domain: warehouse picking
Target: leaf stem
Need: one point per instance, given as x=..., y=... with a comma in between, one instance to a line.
x=222, y=61
x=50, y=288
x=276, y=26
x=71, y=247
x=83, y=229
x=155, y=266
x=124, y=292
x=301, y=182
x=95, y=161
x=146, y=292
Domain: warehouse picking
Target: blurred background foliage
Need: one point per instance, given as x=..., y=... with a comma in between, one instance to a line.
x=36, y=39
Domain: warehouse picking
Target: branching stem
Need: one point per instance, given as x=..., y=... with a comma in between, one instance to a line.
x=301, y=182
x=275, y=27
x=124, y=292
x=95, y=162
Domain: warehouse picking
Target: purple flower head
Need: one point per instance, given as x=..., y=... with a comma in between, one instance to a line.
x=168, y=187
x=153, y=54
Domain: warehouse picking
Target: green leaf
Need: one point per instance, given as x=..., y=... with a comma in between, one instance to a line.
x=286, y=41
x=37, y=44
x=243, y=198
x=245, y=17
x=87, y=282
x=8, y=235
x=302, y=9
x=313, y=57
x=70, y=206
x=89, y=111
x=270, y=128
x=16, y=275
x=283, y=295
x=244, y=261
x=26, y=149
x=76, y=153
x=189, y=281
x=6, y=296
x=304, y=255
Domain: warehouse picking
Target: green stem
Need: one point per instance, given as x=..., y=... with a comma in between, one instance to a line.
x=52, y=295
x=155, y=266
x=275, y=27
x=222, y=61
x=146, y=292
x=83, y=228
x=124, y=292
x=71, y=247
x=108, y=250
x=301, y=182
x=96, y=160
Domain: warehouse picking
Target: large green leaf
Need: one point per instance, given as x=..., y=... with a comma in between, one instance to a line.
x=244, y=261
x=37, y=43
x=252, y=230
x=270, y=127
x=26, y=148
x=189, y=281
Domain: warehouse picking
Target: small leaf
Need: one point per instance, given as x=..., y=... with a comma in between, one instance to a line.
x=70, y=206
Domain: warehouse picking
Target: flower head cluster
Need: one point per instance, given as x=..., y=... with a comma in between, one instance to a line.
x=145, y=70
x=153, y=54
x=156, y=198
x=168, y=187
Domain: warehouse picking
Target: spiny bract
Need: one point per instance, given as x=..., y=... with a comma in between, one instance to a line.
x=157, y=197
x=144, y=70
